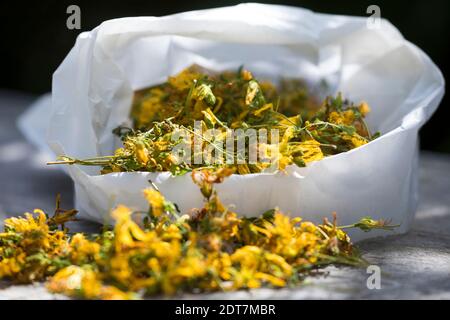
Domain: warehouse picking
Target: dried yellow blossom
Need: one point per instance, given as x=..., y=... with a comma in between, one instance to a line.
x=84, y=283
x=349, y=117
x=364, y=108
x=29, y=224
x=247, y=75
x=310, y=151
x=336, y=118
x=156, y=201
x=184, y=79
x=82, y=250
x=355, y=140
x=150, y=107
x=141, y=154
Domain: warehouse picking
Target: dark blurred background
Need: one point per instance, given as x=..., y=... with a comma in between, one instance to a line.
x=34, y=38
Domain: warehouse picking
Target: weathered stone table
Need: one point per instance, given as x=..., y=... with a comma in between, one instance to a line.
x=414, y=266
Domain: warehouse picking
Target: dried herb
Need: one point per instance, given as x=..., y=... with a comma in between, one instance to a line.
x=164, y=117
x=210, y=249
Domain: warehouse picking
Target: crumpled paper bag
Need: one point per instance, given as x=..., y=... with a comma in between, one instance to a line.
x=93, y=89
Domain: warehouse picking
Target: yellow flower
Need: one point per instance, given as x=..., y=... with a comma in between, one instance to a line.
x=246, y=75
x=364, y=108
x=184, y=79
x=220, y=263
x=308, y=227
x=154, y=265
x=253, y=283
x=82, y=250
x=247, y=256
x=171, y=232
x=190, y=267
x=11, y=266
x=336, y=118
x=30, y=223
x=349, y=117
x=83, y=282
x=141, y=154
x=156, y=201
x=148, y=111
x=120, y=268
x=279, y=261
x=355, y=140
x=126, y=231
x=277, y=282
x=73, y=279
x=311, y=151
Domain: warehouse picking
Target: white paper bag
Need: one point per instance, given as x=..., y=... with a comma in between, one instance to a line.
x=93, y=90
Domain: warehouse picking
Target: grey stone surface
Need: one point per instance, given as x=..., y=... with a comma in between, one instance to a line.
x=414, y=266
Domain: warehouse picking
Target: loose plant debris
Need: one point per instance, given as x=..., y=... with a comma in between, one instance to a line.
x=162, y=252
x=164, y=137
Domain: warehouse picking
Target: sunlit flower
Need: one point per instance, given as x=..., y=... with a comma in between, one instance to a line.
x=156, y=201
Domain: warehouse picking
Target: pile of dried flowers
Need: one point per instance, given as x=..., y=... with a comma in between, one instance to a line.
x=160, y=252
x=163, y=119
x=209, y=249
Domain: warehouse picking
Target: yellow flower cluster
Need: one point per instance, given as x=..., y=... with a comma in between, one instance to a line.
x=29, y=250
x=210, y=249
